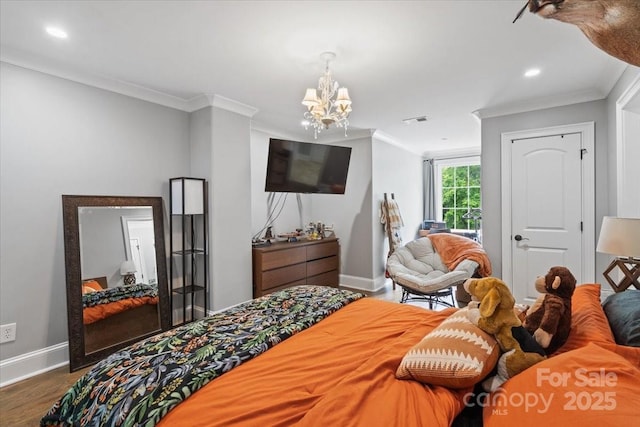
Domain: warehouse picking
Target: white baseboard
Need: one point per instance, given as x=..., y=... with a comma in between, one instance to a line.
x=33, y=363
x=360, y=283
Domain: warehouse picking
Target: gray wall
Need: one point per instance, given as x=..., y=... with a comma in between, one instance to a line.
x=220, y=153
x=60, y=137
x=289, y=219
x=492, y=129
x=396, y=171
x=350, y=213
x=376, y=167
x=627, y=78
x=230, y=209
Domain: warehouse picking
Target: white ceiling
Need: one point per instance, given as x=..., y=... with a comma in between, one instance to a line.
x=399, y=59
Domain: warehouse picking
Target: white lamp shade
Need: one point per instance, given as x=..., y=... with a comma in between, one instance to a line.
x=343, y=96
x=127, y=267
x=311, y=98
x=620, y=237
x=193, y=191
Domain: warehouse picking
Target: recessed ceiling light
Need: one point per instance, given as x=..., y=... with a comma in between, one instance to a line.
x=532, y=72
x=56, y=32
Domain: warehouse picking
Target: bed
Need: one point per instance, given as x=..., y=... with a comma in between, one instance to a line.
x=113, y=315
x=310, y=356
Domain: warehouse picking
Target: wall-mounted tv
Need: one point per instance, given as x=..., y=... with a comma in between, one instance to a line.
x=303, y=167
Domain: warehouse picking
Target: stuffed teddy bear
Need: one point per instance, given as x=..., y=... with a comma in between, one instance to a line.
x=493, y=312
x=549, y=318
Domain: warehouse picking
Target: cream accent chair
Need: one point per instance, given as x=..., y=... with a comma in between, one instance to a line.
x=417, y=268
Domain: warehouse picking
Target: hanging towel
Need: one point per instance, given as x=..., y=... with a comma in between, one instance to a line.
x=391, y=216
x=392, y=219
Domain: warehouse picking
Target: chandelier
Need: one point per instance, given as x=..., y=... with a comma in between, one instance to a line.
x=322, y=109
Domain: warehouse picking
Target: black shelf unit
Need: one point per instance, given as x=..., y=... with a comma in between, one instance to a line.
x=188, y=246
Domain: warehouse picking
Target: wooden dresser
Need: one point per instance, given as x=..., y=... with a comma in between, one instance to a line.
x=307, y=262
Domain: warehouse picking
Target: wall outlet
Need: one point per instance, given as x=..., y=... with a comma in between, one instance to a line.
x=7, y=333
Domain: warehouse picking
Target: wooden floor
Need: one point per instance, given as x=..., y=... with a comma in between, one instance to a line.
x=24, y=403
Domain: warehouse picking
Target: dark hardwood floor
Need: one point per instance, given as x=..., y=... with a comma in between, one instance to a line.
x=25, y=402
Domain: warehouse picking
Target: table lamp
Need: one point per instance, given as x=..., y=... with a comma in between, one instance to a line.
x=128, y=272
x=621, y=237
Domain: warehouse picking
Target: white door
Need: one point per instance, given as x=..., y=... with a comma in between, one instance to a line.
x=138, y=260
x=546, y=212
x=138, y=231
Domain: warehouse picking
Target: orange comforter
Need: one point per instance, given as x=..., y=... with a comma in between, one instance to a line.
x=102, y=311
x=453, y=249
x=339, y=372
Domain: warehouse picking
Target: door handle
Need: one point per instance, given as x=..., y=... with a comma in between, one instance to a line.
x=518, y=237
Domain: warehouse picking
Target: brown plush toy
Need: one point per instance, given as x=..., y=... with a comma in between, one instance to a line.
x=493, y=312
x=549, y=318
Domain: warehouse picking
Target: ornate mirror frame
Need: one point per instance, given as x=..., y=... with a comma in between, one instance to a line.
x=78, y=356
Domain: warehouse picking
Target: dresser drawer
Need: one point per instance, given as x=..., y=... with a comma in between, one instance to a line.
x=287, y=286
x=276, y=259
x=285, y=264
x=284, y=275
x=322, y=265
x=322, y=250
x=330, y=278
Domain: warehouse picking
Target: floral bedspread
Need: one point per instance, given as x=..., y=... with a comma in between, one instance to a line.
x=118, y=293
x=138, y=385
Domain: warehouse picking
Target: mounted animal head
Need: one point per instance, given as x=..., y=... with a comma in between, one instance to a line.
x=611, y=25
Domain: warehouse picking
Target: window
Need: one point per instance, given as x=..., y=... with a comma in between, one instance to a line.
x=458, y=196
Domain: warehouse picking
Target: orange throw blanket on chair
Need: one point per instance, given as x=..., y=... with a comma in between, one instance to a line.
x=453, y=249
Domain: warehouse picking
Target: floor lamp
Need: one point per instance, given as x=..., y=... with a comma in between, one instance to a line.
x=621, y=237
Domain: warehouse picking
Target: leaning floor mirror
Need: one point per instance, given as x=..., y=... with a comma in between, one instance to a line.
x=116, y=272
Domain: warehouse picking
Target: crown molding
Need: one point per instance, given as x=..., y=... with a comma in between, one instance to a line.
x=452, y=153
x=385, y=137
x=540, y=104
x=10, y=56
x=212, y=100
x=199, y=102
x=338, y=135
x=228, y=104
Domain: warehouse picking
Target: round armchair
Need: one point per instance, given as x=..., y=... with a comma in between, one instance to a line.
x=423, y=275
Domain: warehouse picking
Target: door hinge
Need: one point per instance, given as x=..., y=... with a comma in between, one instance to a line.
x=583, y=151
x=581, y=226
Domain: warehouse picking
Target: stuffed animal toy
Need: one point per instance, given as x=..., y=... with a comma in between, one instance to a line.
x=494, y=313
x=549, y=318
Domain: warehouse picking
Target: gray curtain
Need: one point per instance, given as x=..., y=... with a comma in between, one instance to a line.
x=429, y=190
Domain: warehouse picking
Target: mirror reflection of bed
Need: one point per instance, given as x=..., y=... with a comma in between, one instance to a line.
x=115, y=315
x=119, y=241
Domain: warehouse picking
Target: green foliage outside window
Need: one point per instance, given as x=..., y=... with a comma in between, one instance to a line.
x=460, y=193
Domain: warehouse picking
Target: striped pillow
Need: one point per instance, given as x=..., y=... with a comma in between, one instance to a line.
x=456, y=354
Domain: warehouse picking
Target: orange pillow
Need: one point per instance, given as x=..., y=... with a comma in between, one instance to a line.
x=456, y=354
x=588, y=321
x=87, y=289
x=92, y=284
x=587, y=387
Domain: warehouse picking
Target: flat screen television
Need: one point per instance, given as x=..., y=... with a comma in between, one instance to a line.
x=303, y=167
